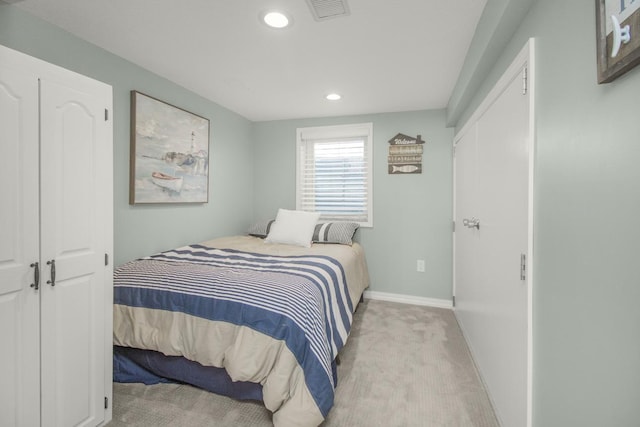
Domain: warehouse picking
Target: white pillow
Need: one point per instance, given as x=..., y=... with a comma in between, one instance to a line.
x=293, y=227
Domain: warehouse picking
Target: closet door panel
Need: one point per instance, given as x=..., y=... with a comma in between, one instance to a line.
x=466, y=238
x=74, y=202
x=501, y=344
x=19, y=302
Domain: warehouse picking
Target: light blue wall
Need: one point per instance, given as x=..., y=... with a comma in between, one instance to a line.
x=498, y=22
x=412, y=214
x=141, y=230
x=587, y=201
x=586, y=289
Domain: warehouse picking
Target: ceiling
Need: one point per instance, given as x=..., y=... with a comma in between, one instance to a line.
x=385, y=56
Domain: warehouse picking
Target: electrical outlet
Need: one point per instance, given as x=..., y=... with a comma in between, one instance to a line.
x=420, y=266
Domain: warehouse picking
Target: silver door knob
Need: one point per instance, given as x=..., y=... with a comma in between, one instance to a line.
x=471, y=223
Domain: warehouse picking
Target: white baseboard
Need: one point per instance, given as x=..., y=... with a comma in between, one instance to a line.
x=408, y=299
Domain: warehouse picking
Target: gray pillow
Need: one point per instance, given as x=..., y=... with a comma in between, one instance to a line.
x=335, y=232
x=261, y=228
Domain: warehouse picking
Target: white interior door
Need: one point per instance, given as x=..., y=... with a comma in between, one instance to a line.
x=466, y=241
x=75, y=147
x=492, y=296
x=19, y=302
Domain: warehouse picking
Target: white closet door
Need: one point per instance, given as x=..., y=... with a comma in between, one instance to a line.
x=503, y=165
x=466, y=237
x=74, y=203
x=19, y=303
x=493, y=299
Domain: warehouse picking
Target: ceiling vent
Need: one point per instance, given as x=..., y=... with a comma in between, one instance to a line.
x=327, y=9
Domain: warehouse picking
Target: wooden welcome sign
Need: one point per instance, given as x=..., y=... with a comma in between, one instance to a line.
x=405, y=154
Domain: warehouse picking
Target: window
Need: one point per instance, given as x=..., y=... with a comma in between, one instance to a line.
x=334, y=172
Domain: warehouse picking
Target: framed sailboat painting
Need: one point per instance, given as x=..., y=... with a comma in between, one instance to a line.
x=169, y=159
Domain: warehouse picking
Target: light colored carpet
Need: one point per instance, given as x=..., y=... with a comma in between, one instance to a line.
x=403, y=365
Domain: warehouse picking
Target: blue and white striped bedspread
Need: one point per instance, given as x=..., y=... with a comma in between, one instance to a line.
x=302, y=300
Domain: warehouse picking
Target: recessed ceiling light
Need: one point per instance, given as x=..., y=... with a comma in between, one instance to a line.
x=276, y=19
x=333, y=96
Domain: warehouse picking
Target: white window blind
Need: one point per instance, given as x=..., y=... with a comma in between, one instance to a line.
x=334, y=172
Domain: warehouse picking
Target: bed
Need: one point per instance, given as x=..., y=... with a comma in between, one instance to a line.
x=241, y=316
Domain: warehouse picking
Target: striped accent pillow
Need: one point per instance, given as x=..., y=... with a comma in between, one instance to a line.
x=260, y=228
x=335, y=232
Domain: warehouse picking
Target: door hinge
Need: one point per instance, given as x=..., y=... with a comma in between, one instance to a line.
x=453, y=300
x=454, y=226
x=106, y=259
x=106, y=402
x=106, y=115
x=524, y=81
x=523, y=267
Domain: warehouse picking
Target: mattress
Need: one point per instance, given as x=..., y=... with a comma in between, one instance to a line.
x=268, y=314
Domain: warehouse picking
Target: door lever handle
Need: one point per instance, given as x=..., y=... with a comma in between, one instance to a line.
x=471, y=223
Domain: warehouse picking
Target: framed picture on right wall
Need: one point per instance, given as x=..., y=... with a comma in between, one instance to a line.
x=618, y=37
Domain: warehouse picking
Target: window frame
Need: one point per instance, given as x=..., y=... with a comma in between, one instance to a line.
x=331, y=133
